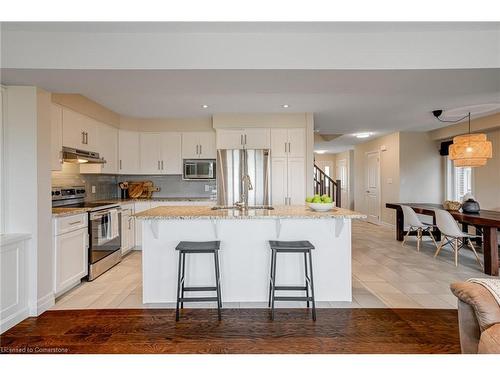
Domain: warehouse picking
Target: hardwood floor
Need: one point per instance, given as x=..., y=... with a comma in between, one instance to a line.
x=240, y=331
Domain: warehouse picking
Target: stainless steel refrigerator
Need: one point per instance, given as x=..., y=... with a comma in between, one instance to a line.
x=243, y=175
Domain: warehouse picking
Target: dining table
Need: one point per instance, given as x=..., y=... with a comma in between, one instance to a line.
x=486, y=222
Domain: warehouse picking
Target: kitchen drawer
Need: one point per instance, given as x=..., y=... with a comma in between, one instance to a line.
x=67, y=224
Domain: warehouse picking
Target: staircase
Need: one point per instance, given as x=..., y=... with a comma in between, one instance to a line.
x=323, y=184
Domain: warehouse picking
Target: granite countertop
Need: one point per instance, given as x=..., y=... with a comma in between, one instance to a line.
x=68, y=211
x=279, y=212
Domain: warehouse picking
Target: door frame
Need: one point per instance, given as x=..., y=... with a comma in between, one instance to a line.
x=379, y=193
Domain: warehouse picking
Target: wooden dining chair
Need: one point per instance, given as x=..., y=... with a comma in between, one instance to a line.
x=416, y=225
x=451, y=234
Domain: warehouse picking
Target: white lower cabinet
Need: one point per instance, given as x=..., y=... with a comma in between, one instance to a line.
x=128, y=229
x=71, y=242
x=139, y=207
x=14, y=280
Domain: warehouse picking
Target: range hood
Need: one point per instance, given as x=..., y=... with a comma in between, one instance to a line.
x=72, y=155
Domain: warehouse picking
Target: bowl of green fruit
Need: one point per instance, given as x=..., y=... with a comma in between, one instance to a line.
x=320, y=202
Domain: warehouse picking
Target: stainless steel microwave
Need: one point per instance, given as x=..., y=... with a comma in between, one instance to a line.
x=199, y=169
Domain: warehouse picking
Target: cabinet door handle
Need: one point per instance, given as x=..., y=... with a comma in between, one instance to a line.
x=86, y=138
x=83, y=138
x=201, y=152
x=245, y=139
x=162, y=165
x=285, y=147
x=241, y=139
x=289, y=147
x=197, y=153
x=75, y=222
x=120, y=163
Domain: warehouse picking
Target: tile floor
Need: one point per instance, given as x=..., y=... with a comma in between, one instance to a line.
x=385, y=274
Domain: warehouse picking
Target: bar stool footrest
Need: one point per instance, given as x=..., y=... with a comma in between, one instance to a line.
x=199, y=299
x=293, y=299
x=290, y=288
x=199, y=288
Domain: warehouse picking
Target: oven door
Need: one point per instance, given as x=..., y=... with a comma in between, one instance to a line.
x=105, y=233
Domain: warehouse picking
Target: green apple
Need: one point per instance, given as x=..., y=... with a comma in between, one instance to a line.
x=328, y=200
x=316, y=200
x=309, y=199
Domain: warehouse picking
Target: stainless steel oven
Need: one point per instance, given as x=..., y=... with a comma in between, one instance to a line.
x=105, y=240
x=199, y=169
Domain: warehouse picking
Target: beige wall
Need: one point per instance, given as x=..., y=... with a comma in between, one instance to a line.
x=421, y=168
x=486, y=179
x=272, y=120
x=486, y=123
x=166, y=124
x=87, y=107
x=389, y=174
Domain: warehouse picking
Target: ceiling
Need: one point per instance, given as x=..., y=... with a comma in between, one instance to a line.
x=343, y=102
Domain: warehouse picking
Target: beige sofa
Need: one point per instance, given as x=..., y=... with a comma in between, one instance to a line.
x=478, y=318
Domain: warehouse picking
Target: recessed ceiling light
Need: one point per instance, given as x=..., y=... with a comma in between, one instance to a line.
x=204, y=106
x=362, y=135
x=285, y=106
x=320, y=151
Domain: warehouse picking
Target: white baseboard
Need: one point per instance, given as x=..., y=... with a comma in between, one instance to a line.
x=14, y=319
x=45, y=303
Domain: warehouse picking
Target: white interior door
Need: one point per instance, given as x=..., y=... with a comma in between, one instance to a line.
x=342, y=174
x=372, y=186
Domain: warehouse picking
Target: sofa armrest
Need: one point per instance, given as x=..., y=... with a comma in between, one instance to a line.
x=485, y=306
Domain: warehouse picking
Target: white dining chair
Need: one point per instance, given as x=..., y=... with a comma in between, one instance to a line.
x=453, y=235
x=412, y=221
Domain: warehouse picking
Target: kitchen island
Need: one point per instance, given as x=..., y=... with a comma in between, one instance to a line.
x=245, y=254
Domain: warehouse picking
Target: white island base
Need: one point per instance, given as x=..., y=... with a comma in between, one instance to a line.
x=245, y=257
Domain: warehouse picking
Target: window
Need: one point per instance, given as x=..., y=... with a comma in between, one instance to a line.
x=458, y=181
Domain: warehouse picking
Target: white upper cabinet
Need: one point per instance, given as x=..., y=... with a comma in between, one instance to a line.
x=229, y=139
x=107, y=147
x=251, y=138
x=56, y=131
x=107, y=139
x=150, y=153
x=79, y=131
x=257, y=138
x=171, y=159
x=288, y=142
x=198, y=145
x=128, y=151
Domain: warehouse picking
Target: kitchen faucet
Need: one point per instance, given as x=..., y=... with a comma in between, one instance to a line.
x=247, y=185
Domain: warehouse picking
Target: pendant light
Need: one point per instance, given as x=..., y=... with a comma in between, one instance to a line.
x=470, y=150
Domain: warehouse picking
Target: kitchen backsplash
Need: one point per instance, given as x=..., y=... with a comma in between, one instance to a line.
x=173, y=186
x=106, y=186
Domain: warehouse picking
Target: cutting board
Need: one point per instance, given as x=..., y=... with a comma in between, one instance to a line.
x=141, y=189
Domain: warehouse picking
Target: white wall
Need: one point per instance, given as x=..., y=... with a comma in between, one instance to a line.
x=339, y=46
x=28, y=184
x=421, y=169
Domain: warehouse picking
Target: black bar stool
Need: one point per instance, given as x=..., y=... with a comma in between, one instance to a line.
x=185, y=247
x=304, y=247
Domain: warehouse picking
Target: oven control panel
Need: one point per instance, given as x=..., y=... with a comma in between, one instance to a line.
x=59, y=193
